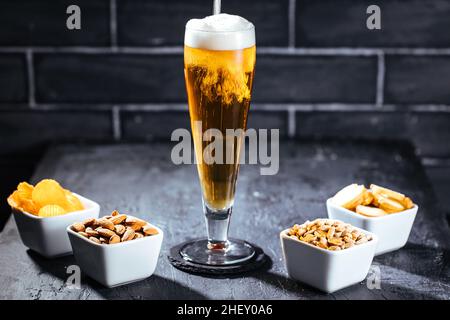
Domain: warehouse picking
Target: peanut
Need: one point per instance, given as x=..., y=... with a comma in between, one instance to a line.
x=128, y=235
x=107, y=224
x=105, y=232
x=120, y=229
x=77, y=227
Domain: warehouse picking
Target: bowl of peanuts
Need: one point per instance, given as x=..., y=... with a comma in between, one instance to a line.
x=380, y=210
x=117, y=249
x=327, y=254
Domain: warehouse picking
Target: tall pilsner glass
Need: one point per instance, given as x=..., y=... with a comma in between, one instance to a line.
x=219, y=61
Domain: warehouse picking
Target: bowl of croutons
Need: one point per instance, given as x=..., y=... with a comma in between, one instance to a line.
x=380, y=210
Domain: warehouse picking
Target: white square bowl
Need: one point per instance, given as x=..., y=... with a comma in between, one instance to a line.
x=120, y=263
x=48, y=235
x=392, y=230
x=327, y=270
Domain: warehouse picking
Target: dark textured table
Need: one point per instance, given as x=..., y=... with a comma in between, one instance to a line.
x=141, y=180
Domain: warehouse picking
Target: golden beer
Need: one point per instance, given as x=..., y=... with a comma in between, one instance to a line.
x=219, y=85
x=219, y=61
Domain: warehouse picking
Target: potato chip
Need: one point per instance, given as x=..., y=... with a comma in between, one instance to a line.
x=51, y=210
x=46, y=199
x=74, y=203
x=25, y=190
x=14, y=200
x=49, y=192
x=29, y=206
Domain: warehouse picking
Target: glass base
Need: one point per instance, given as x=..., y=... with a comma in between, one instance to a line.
x=202, y=252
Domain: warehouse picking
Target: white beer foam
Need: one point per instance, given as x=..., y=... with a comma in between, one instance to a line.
x=220, y=32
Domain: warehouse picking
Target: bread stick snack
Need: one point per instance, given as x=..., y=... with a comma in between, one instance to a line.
x=350, y=197
x=370, y=211
x=377, y=201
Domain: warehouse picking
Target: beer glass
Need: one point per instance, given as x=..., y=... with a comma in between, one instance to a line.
x=219, y=62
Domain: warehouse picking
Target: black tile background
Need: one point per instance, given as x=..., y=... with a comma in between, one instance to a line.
x=405, y=23
x=43, y=23
x=161, y=23
x=109, y=78
x=23, y=132
x=417, y=79
x=159, y=79
x=316, y=79
x=151, y=125
x=13, y=78
x=419, y=128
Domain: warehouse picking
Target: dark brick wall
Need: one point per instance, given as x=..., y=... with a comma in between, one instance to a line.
x=318, y=79
x=419, y=127
x=31, y=130
x=141, y=125
x=42, y=23
x=110, y=78
x=405, y=23
x=417, y=79
x=160, y=23
x=13, y=78
x=319, y=71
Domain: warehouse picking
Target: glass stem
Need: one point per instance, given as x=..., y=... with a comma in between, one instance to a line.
x=217, y=224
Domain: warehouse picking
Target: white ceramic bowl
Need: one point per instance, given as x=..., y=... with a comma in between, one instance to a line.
x=48, y=236
x=120, y=263
x=392, y=230
x=327, y=270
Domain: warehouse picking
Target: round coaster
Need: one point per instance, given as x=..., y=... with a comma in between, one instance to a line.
x=257, y=261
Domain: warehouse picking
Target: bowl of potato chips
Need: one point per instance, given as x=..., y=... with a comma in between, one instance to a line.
x=43, y=212
x=380, y=210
